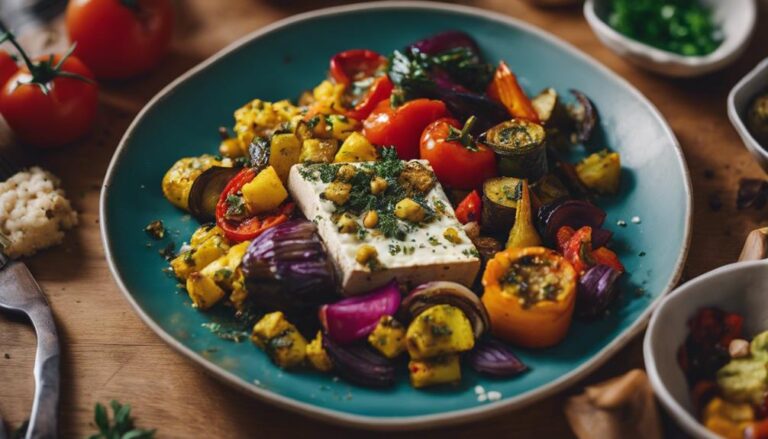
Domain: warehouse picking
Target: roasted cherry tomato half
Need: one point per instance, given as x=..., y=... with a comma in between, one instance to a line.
x=458, y=160
x=402, y=127
x=254, y=226
x=52, y=107
x=469, y=209
x=120, y=39
x=8, y=67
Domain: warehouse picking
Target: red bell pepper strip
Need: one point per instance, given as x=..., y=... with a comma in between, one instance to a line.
x=469, y=209
x=357, y=65
x=576, y=246
x=505, y=89
x=252, y=227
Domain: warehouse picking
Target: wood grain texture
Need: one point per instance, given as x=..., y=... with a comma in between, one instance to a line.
x=109, y=353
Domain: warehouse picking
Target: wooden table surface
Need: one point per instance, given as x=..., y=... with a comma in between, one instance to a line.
x=109, y=353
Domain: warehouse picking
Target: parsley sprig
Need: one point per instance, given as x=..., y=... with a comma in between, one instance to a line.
x=121, y=426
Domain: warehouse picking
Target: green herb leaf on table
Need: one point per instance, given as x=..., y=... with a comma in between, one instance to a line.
x=121, y=426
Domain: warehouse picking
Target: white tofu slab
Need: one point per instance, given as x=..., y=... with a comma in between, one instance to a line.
x=429, y=256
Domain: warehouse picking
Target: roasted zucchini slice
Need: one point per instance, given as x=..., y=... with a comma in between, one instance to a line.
x=521, y=147
x=500, y=197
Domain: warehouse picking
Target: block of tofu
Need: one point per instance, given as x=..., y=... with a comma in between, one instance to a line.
x=427, y=244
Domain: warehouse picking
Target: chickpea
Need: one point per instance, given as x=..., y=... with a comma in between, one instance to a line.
x=231, y=148
x=378, y=185
x=366, y=253
x=451, y=235
x=371, y=219
x=347, y=224
x=409, y=210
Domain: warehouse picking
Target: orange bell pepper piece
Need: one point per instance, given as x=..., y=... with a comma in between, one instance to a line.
x=505, y=89
x=540, y=324
x=576, y=246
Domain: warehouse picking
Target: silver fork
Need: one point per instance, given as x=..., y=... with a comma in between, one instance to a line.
x=20, y=293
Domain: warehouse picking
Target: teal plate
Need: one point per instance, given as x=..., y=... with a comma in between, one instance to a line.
x=292, y=55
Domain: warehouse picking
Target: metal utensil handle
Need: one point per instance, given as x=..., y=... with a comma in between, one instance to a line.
x=43, y=423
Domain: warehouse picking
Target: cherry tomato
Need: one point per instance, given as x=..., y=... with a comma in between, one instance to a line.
x=458, y=160
x=469, y=209
x=401, y=127
x=252, y=227
x=8, y=67
x=59, y=115
x=119, y=39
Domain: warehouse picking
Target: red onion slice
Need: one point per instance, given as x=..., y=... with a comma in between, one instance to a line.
x=597, y=290
x=354, y=318
x=491, y=357
x=359, y=364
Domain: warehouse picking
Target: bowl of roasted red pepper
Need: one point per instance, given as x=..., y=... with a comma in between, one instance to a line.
x=706, y=352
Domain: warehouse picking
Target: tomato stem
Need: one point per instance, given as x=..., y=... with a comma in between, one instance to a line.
x=42, y=72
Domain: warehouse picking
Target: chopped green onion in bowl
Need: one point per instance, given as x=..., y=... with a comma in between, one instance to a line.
x=685, y=27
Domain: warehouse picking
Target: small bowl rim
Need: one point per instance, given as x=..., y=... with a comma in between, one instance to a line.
x=718, y=58
x=749, y=140
x=682, y=417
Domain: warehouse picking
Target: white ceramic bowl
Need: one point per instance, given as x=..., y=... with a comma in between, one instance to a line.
x=736, y=17
x=739, y=99
x=740, y=288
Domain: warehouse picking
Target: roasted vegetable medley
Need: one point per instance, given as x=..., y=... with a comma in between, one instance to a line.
x=412, y=206
x=727, y=374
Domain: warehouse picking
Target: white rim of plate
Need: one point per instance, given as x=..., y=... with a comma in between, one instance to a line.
x=404, y=422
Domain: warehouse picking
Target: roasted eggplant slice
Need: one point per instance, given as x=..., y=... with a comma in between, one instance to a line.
x=521, y=148
x=206, y=190
x=500, y=197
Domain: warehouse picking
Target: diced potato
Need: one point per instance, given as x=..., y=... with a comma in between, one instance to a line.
x=727, y=419
x=257, y=117
x=206, y=245
x=280, y=339
x=177, y=182
x=337, y=192
x=388, y=337
x=441, y=329
x=341, y=127
x=203, y=291
x=356, y=149
x=270, y=326
x=318, y=150
x=600, y=172
x=409, y=210
x=440, y=370
x=265, y=192
x=239, y=292
x=284, y=152
x=417, y=177
x=327, y=97
x=317, y=356
x=209, y=285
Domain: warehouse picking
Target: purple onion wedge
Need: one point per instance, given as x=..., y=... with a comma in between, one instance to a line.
x=354, y=318
x=573, y=213
x=597, y=289
x=434, y=293
x=441, y=42
x=491, y=357
x=360, y=364
x=584, y=117
x=286, y=268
